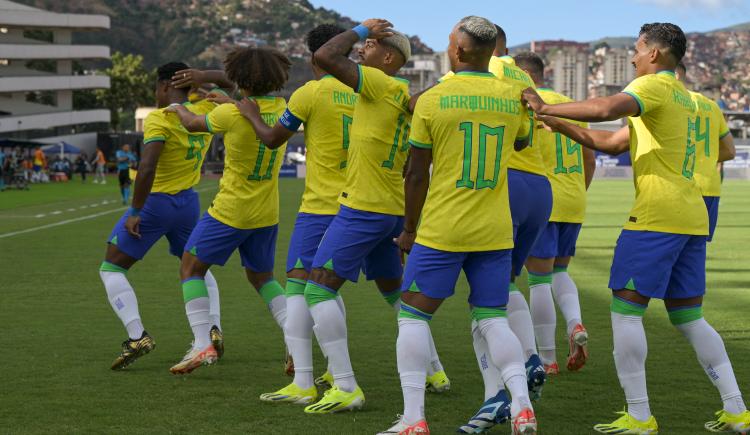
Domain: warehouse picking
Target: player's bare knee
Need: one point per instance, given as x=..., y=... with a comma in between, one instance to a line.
x=421, y=302
x=300, y=274
x=115, y=256
x=258, y=279
x=540, y=265
x=327, y=278
x=631, y=296
x=680, y=303
x=388, y=285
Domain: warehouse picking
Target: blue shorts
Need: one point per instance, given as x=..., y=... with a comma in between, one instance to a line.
x=660, y=265
x=214, y=242
x=712, y=205
x=358, y=239
x=173, y=216
x=308, y=231
x=530, y=207
x=557, y=240
x=434, y=273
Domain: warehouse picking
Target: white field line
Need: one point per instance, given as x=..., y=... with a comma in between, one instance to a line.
x=78, y=219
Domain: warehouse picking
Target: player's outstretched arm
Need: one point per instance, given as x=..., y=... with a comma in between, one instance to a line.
x=333, y=56
x=726, y=148
x=589, y=165
x=416, y=184
x=194, y=78
x=144, y=180
x=593, y=110
x=612, y=143
x=272, y=137
x=188, y=119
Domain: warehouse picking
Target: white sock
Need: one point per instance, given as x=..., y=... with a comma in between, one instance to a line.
x=709, y=348
x=123, y=301
x=630, y=350
x=412, y=353
x=330, y=330
x=545, y=320
x=214, y=312
x=339, y=301
x=298, y=336
x=507, y=355
x=493, y=381
x=197, y=313
x=566, y=294
x=433, y=365
x=277, y=307
x=520, y=322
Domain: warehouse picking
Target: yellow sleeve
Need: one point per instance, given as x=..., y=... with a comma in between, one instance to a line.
x=221, y=118
x=301, y=102
x=419, y=135
x=723, y=127
x=526, y=125
x=155, y=127
x=648, y=92
x=203, y=107
x=373, y=83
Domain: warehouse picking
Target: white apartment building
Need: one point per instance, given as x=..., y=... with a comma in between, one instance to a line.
x=32, y=65
x=570, y=72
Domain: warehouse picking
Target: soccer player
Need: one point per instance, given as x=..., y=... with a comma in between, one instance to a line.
x=715, y=145
x=464, y=127
x=125, y=159
x=325, y=106
x=371, y=212
x=164, y=204
x=244, y=215
x=661, y=252
x=570, y=169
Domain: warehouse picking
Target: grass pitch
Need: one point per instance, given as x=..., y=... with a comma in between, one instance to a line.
x=59, y=334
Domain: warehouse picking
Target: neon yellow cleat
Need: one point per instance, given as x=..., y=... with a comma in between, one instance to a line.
x=336, y=400
x=324, y=380
x=132, y=350
x=438, y=382
x=627, y=425
x=292, y=394
x=737, y=423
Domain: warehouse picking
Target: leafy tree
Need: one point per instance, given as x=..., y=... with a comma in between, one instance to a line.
x=131, y=85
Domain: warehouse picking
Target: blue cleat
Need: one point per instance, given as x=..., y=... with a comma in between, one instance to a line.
x=536, y=376
x=495, y=410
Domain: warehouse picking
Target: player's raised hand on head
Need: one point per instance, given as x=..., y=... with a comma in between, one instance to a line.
x=379, y=28
x=248, y=107
x=187, y=78
x=219, y=98
x=532, y=100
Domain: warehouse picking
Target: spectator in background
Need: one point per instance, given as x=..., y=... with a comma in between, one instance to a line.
x=100, y=161
x=82, y=166
x=125, y=159
x=67, y=167
x=39, y=164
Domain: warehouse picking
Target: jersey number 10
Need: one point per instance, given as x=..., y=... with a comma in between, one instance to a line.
x=468, y=129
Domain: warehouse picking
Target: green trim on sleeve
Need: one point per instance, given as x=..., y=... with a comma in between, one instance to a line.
x=415, y=144
x=360, y=79
x=208, y=124
x=637, y=100
x=154, y=139
x=723, y=135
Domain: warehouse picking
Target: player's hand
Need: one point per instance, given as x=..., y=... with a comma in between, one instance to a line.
x=172, y=108
x=532, y=100
x=218, y=98
x=548, y=123
x=132, y=224
x=187, y=78
x=379, y=28
x=248, y=108
x=405, y=241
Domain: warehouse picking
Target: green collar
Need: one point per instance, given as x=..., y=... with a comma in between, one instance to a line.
x=668, y=72
x=475, y=73
x=545, y=89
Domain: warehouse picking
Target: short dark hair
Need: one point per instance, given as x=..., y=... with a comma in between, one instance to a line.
x=259, y=70
x=530, y=61
x=667, y=35
x=320, y=35
x=501, y=34
x=166, y=71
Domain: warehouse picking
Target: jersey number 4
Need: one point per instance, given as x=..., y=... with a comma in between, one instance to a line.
x=484, y=131
x=694, y=136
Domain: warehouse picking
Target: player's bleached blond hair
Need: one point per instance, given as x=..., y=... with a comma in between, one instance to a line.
x=480, y=29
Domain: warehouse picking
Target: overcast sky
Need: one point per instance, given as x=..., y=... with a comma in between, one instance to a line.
x=523, y=20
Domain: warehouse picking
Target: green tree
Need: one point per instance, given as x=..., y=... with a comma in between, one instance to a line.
x=131, y=85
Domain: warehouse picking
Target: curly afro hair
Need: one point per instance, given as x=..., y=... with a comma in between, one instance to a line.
x=320, y=35
x=257, y=70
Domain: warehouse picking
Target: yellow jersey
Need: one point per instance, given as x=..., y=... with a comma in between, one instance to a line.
x=378, y=146
x=563, y=160
x=663, y=152
x=471, y=123
x=248, y=194
x=326, y=107
x=710, y=127
x=179, y=165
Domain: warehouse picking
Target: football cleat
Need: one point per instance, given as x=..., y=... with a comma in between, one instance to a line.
x=336, y=400
x=525, y=422
x=325, y=380
x=292, y=394
x=535, y=376
x=217, y=339
x=195, y=358
x=726, y=422
x=627, y=425
x=495, y=410
x=552, y=369
x=132, y=350
x=579, y=352
x=401, y=428
x=438, y=382
x=289, y=364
